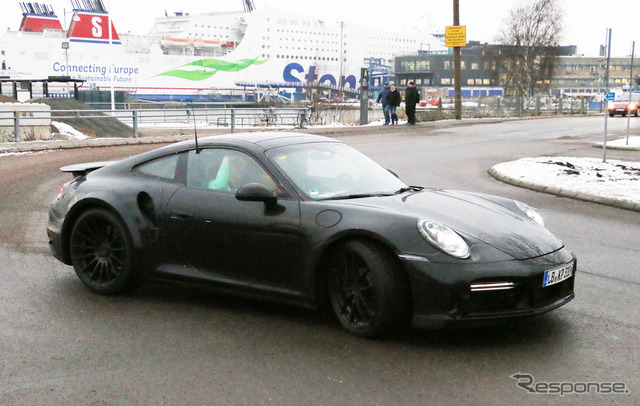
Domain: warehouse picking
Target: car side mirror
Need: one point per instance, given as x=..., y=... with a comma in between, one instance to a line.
x=257, y=192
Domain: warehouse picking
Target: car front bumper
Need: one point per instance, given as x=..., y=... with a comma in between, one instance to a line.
x=468, y=294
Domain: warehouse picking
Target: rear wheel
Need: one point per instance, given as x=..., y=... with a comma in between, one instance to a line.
x=100, y=250
x=367, y=289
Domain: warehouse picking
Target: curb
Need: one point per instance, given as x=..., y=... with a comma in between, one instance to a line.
x=616, y=147
x=608, y=201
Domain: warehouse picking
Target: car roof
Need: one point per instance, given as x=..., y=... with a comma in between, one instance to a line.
x=265, y=139
x=254, y=141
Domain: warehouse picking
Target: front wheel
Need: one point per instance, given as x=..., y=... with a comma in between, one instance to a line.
x=101, y=252
x=368, y=292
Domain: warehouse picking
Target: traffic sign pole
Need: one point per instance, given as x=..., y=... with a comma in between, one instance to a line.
x=364, y=96
x=607, y=96
x=633, y=50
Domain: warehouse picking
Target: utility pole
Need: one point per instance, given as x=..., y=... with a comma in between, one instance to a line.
x=456, y=63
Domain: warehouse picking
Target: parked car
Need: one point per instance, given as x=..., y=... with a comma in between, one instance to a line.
x=625, y=103
x=308, y=220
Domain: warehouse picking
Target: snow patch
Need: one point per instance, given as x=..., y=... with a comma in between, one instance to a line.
x=68, y=131
x=591, y=176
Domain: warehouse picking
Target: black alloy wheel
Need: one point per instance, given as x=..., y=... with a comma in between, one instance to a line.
x=101, y=252
x=367, y=289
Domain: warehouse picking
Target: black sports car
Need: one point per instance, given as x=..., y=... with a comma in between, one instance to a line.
x=308, y=220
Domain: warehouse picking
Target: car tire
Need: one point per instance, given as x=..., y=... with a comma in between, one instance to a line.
x=368, y=291
x=611, y=114
x=101, y=253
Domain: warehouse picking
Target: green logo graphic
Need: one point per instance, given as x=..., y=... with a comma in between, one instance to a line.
x=210, y=67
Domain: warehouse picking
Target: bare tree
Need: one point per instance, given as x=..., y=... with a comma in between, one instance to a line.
x=530, y=46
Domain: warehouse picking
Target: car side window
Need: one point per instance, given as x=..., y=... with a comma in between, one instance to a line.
x=164, y=167
x=225, y=170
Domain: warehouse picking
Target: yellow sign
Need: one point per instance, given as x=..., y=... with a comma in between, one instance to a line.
x=456, y=36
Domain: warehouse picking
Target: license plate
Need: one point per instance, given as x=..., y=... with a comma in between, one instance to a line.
x=619, y=109
x=557, y=275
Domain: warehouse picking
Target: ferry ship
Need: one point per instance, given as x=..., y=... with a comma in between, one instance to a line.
x=219, y=55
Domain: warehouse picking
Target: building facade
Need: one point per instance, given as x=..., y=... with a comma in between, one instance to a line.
x=482, y=72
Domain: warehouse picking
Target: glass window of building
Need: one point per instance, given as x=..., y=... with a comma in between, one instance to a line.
x=423, y=66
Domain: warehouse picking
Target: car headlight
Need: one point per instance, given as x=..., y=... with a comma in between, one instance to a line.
x=444, y=238
x=530, y=212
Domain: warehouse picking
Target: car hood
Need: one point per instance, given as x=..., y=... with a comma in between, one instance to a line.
x=475, y=216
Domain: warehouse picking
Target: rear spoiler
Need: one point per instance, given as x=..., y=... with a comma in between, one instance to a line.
x=78, y=170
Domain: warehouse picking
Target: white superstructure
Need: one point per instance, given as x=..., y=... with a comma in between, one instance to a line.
x=208, y=54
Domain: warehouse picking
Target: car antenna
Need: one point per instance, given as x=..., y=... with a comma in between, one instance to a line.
x=195, y=127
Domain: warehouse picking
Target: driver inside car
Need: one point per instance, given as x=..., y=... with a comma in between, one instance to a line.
x=237, y=171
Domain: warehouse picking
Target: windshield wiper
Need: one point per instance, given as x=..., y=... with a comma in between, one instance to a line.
x=357, y=196
x=376, y=194
x=408, y=188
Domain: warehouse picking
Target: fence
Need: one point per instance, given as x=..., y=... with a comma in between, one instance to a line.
x=511, y=107
x=231, y=118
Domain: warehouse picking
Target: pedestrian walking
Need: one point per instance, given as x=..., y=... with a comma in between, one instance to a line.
x=394, y=100
x=411, y=98
x=383, y=97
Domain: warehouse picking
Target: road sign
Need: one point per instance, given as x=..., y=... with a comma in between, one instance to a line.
x=364, y=74
x=455, y=36
x=610, y=96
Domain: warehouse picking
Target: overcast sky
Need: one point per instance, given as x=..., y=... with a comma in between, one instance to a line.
x=585, y=21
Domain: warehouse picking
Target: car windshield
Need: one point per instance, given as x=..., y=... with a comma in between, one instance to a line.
x=625, y=97
x=334, y=171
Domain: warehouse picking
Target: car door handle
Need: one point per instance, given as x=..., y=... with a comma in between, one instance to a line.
x=181, y=215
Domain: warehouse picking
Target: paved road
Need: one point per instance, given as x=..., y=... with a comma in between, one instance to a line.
x=61, y=344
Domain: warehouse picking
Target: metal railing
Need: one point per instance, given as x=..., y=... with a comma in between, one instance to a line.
x=189, y=118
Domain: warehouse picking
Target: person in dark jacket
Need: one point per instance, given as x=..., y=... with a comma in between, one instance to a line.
x=383, y=97
x=394, y=100
x=411, y=98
